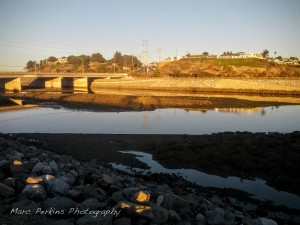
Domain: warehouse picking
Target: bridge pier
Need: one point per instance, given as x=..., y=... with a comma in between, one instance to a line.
x=82, y=84
x=53, y=83
x=11, y=84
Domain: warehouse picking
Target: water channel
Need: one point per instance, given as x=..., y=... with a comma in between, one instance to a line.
x=160, y=121
x=56, y=119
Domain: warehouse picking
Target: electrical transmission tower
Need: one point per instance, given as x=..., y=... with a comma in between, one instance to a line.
x=159, y=54
x=145, y=44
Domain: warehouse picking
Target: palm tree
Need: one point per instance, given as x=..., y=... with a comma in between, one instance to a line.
x=275, y=54
x=265, y=53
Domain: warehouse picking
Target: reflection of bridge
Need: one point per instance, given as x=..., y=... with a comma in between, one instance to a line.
x=76, y=81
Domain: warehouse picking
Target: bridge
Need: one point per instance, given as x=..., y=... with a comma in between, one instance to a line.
x=76, y=81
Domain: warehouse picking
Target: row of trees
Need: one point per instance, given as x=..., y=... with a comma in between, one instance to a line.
x=119, y=62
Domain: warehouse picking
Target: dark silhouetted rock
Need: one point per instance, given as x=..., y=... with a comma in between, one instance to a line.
x=263, y=221
x=91, y=220
x=6, y=191
x=215, y=216
x=59, y=203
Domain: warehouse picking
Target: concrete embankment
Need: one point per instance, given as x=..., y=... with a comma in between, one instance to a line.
x=276, y=86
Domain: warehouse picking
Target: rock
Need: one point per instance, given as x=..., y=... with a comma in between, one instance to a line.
x=4, y=163
x=129, y=192
x=173, y=216
x=105, y=181
x=215, y=216
x=141, y=197
x=92, y=192
x=92, y=204
x=92, y=220
x=26, y=205
x=135, y=210
x=10, y=181
x=46, y=170
x=229, y=218
x=73, y=193
x=263, y=221
x=176, y=203
x=59, y=203
x=122, y=221
x=35, y=192
x=200, y=219
x=117, y=197
x=69, y=178
x=53, y=166
x=37, y=168
x=58, y=186
x=160, y=199
x=16, y=167
x=6, y=191
x=161, y=215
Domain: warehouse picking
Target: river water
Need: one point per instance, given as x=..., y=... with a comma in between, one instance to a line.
x=56, y=119
x=160, y=121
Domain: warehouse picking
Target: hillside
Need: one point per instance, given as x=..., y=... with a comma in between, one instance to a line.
x=226, y=68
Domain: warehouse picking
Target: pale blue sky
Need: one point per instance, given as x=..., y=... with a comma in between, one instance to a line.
x=35, y=29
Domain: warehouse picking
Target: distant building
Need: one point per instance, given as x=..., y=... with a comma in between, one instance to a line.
x=62, y=60
x=254, y=55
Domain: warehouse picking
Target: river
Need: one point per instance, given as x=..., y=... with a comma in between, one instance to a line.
x=160, y=121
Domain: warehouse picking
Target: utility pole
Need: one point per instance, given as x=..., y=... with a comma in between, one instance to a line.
x=145, y=44
x=114, y=64
x=159, y=54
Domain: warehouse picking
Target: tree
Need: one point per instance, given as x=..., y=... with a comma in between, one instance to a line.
x=205, y=53
x=97, y=57
x=52, y=59
x=275, y=53
x=265, y=53
x=31, y=66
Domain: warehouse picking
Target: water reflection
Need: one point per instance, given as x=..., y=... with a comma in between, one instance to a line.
x=53, y=119
x=258, y=188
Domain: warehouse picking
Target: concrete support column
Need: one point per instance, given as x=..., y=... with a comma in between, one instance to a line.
x=82, y=84
x=53, y=83
x=11, y=84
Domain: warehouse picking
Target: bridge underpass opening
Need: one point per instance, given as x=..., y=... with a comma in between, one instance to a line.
x=80, y=84
x=46, y=82
x=11, y=84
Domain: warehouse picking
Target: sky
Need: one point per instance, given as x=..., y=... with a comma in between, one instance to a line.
x=35, y=30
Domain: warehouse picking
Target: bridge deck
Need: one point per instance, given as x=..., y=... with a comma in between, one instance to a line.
x=62, y=75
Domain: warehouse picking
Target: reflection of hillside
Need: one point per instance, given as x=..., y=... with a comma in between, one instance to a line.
x=231, y=110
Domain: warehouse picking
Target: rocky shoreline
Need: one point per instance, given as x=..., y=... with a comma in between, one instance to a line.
x=40, y=187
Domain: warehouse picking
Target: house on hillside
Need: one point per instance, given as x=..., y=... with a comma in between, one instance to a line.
x=254, y=55
x=230, y=55
x=62, y=60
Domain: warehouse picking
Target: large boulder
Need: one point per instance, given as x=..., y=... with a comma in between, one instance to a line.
x=141, y=197
x=59, y=203
x=53, y=166
x=6, y=191
x=35, y=192
x=105, y=181
x=263, y=221
x=136, y=210
x=215, y=216
x=55, y=185
x=174, y=202
x=92, y=204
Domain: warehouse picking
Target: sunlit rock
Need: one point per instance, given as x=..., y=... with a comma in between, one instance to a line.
x=34, y=180
x=35, y=192
x=141, y=197
x=136, y=210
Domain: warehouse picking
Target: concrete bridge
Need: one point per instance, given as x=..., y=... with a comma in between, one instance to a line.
x=75, y=81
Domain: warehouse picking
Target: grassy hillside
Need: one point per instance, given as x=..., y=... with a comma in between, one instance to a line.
x=226, y=68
